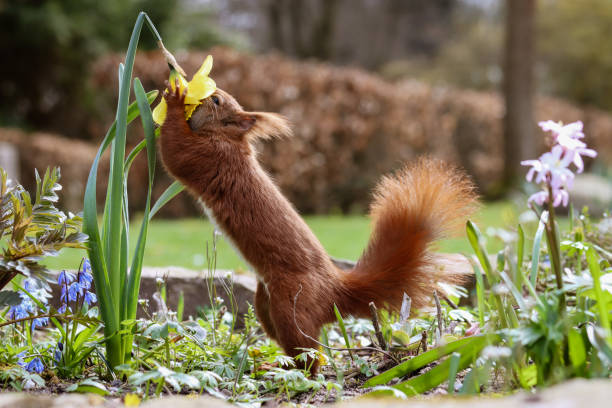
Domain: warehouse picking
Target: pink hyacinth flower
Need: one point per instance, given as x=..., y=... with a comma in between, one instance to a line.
x=570, y=131
x=567, y=136
x=539, y=198
x=552, y=167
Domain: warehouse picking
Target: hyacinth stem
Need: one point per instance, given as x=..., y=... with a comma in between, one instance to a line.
x=554, y=249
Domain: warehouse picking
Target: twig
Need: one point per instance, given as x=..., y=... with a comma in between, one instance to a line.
x=381, y=340
x=335, y=348
x=23, y=319
x=450, y=302
x=423, y=344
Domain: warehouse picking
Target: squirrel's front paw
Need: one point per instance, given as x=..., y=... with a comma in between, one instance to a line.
x=175, y=97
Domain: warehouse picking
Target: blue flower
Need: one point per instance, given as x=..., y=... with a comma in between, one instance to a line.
x=57, y=354
x=29, y=285
x=20, y=359
x=63, y=308
x=37, y=289
x=74, y=290
x=89, y=298
x=85, y=280
x=86, y=268
x=65, y=278
x=18, y=312
x=35, y=365
x=41, y=321
x=22, y=310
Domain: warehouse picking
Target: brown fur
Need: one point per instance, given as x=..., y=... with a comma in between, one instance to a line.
x=212, y=155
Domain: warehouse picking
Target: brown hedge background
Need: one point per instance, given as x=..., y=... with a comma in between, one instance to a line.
x=350, y=127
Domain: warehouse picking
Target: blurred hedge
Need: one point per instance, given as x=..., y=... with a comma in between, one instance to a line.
x=350, y=127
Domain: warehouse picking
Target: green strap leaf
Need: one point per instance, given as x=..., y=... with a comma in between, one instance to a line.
x=428, y=357
x=171, y=192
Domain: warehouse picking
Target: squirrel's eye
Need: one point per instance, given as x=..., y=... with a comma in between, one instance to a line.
x=215, y=99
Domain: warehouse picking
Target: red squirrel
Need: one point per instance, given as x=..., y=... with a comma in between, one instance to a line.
x=298, y=285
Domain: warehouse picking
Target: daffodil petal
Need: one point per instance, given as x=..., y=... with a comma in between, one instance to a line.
x=159, y=113
x=182, y=81
x=199, y=88
x=205, y=68
x=189, y=109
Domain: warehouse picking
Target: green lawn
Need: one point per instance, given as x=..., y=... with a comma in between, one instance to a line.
x=183, y=242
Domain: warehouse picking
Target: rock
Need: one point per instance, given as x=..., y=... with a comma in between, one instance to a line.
x=24, y=400
x=592, y=191
x=194, y=286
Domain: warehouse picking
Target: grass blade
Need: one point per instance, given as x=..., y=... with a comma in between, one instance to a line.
x=520, y=256
x=479, y=291
x=537, y=242
x=455, y=359
x=343, y=330
x=604, y=320
x=514, y=290
x=477, y=243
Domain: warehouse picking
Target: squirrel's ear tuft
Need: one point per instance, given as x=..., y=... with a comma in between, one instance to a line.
x=267, y=126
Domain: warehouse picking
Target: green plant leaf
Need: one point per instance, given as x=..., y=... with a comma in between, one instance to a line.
x=430, y=356
x=577, y=351
x=343, y=330
x=440, y=373
x=9, y=298
x=88, y=386
x=132, y=289
x=108, y=252
x=171, y=192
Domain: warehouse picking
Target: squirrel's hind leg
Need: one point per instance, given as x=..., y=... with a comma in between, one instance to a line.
x=291, y=338
x=262, y=310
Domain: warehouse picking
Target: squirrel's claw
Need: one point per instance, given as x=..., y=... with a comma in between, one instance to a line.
x=174, y=94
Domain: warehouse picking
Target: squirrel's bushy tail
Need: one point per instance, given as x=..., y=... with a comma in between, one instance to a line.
x=416, y=206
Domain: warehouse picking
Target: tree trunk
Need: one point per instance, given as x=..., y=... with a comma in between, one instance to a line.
x=519, y=127
x=274, y=14
x=323, y=33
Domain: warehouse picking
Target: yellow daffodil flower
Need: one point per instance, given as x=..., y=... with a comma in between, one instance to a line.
x=199, y=88
x=131, y=400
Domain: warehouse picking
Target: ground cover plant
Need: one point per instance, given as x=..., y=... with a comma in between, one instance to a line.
x=540, y=312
